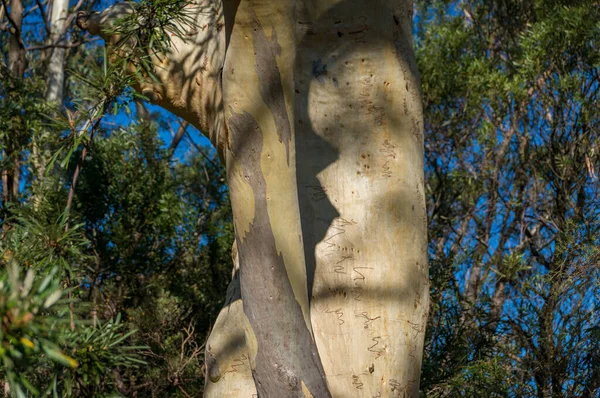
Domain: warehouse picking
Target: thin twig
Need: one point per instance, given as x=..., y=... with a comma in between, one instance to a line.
x=178, y=136
x=53, y=45
x=183, y=391
x=199, y=149
x=44, y=18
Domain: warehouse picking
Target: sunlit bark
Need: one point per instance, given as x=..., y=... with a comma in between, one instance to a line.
x=360, y=180
x=56, y=67
x=317, y=114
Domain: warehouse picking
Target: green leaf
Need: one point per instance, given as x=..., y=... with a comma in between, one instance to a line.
x=59, y=357
x=53, y=298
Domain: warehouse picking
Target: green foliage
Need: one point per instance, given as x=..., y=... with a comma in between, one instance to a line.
x=510, y=93
x=151, y=24
x=122, y=269
x=147, y=238
x=45, y=243
x=31, y=311
x=146, y=30
x=99, y=349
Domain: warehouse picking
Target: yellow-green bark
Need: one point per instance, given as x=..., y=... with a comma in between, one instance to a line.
x=320, y=125
x=258, y=90
x=227, y=358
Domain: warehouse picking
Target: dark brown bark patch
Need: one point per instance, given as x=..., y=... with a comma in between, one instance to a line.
x=287, y=354
x=269, y=80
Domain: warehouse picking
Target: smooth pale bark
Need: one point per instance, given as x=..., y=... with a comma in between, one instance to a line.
x=258, y=92
x=359, y=143
x=56, y=66
x=227, y=359
x=322, y=111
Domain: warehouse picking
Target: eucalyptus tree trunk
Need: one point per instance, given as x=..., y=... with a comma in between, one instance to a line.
x=11, y=174
x=315, y=107
x=16, y=48
x=56, y=67
x=55, y=80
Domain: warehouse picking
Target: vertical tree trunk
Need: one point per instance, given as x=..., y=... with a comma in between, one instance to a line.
x=359, y=149
x=56, y=67
x=259, y=110
x=324, y=152
x=359, y=144
x=16, y=66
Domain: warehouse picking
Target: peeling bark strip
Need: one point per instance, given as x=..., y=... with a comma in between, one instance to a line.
x=269, y=78
x=287, y=356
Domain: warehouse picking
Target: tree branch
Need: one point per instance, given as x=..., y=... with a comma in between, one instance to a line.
x=44, y=18
x=16, y=30
x=54, y=45
x=178, y=136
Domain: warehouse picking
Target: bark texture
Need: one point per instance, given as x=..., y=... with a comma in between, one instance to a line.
x=359, y=146
x=56, y=67
x=257, y=89
x=11, y=175
x=318, y=116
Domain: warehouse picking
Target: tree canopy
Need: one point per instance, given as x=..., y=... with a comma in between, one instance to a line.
x=511, y=97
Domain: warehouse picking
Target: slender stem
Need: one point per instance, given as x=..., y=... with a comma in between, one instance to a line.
x=71, y=306
x=74, y=184
x=200, y=150
x=178, y=136
x=71, y=195
x=79, y=166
